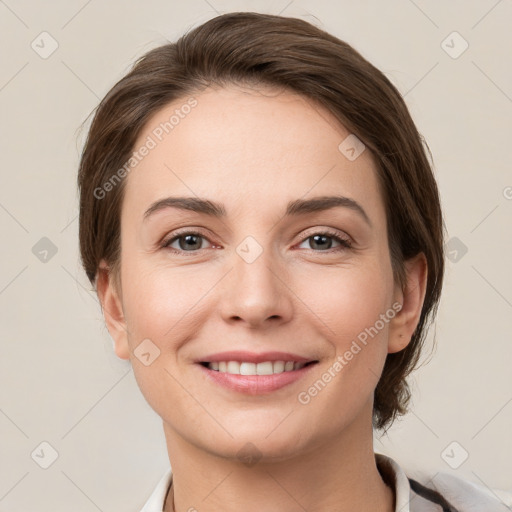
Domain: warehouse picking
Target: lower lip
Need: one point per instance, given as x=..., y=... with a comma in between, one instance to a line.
x=256, y=384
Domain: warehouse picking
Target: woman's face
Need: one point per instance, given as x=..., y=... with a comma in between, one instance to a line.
x=252, y=276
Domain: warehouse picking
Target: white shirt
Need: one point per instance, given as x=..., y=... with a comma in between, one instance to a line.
x=463, y=495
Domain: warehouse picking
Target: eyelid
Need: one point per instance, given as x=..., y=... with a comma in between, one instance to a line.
x=317, y=230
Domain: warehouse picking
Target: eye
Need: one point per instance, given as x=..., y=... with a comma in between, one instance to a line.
x=188, y=241
x=322, y=241
x=192, y=241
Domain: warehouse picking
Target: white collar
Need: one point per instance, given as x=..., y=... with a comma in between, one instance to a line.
x=155, y=502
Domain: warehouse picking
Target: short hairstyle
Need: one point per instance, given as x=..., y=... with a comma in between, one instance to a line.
x=246, y=48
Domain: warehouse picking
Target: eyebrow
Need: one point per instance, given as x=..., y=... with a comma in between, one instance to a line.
x=293, y=208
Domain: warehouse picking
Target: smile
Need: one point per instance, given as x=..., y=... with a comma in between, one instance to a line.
x=248, y=368
x=244, y=377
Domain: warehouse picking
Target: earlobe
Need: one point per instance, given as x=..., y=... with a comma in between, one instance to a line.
x=112, y=309
x=404, y=324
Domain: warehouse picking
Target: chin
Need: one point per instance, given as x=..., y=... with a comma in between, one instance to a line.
x=268, y=441
x=251, y=450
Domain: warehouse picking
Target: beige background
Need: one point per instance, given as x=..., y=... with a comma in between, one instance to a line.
x=60, y=380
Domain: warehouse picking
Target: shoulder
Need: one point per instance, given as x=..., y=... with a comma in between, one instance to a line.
x=467, y=496
x=419, y=492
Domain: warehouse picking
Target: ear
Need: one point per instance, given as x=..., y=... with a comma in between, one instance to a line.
x=112, y=309
x=405, y=321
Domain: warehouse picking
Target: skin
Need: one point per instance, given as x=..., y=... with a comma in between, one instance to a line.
x=253, y=151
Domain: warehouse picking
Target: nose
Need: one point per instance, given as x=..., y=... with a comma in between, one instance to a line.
x=256, y=293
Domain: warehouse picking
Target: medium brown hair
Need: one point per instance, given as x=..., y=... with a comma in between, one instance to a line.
x=262, y=49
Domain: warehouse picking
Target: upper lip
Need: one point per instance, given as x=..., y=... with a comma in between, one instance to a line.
x=253, y=357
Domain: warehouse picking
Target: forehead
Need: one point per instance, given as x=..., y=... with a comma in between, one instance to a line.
x=249, y=149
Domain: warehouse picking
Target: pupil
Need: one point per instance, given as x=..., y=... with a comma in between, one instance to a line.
x=323, y=238
x=189, y=242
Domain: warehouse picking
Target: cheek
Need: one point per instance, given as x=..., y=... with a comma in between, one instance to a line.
x=162, y=305
x=158, y=301
x=346, y=298
x=351, y=305
x=353, y=309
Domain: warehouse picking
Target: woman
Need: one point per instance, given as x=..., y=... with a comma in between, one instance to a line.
x=263, y=229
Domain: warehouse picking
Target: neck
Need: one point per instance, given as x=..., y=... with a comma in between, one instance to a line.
x=337, y=474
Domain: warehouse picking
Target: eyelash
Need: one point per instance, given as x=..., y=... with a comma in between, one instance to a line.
x=345, y=243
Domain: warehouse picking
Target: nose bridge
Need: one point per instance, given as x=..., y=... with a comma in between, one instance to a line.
x=256, y=291
x=254, y=262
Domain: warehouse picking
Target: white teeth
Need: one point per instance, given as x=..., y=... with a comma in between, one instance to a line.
x=279, y=366
x=265, y=368
x=244, y=368
x=233, y=367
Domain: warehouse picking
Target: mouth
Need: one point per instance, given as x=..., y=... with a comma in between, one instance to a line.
x=249, y=368
x=254, y=379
